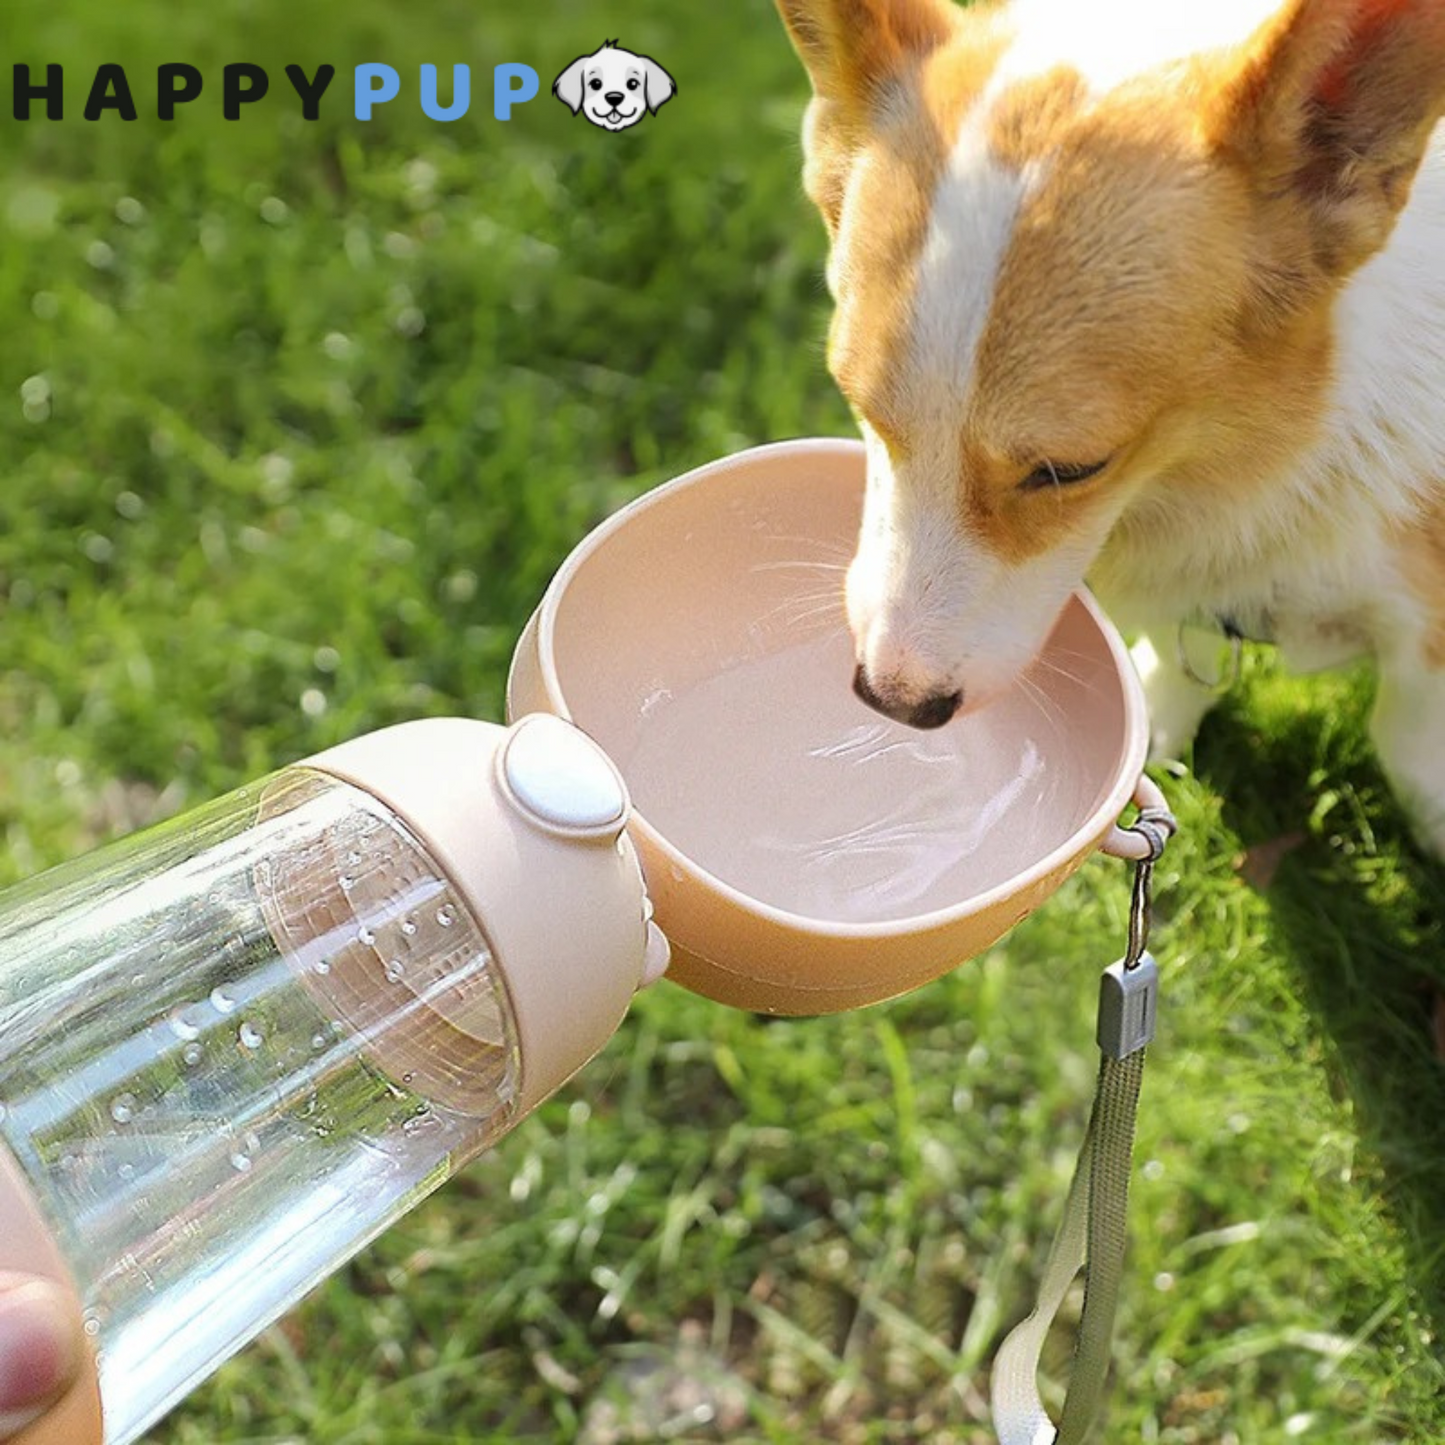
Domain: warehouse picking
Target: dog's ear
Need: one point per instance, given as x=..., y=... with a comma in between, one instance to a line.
x=852, y=47
x=1329, y=109
x=658, y=87
x=568, y=86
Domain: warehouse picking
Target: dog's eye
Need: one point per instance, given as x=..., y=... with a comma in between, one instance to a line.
x=595, y=84
x=632, y=85
x=1060, y=474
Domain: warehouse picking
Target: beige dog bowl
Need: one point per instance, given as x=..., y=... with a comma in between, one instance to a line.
x=804, y=854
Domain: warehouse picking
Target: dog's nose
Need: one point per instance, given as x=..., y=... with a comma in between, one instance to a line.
x=614, y=98
x=932, y=712
x=864, y=690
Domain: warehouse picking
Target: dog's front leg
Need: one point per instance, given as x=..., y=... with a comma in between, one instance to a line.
x=1408, y=729
x=1177, y=702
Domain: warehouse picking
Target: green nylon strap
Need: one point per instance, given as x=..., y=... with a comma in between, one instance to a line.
x=1112, y=1150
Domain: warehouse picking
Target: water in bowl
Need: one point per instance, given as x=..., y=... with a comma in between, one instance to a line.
x=775, y=778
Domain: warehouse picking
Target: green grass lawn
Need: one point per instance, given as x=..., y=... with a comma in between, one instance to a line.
x=296, y=421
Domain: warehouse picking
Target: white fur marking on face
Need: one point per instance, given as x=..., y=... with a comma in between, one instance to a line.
x=1111, y=41
x=910, y=539
x=917, y=576
x=975, y=207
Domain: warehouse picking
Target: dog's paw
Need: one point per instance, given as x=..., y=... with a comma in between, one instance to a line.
x=1170, y=743
x=1405, y=728
x=1422, y=801
x=1429, y=830
x=1177, y=704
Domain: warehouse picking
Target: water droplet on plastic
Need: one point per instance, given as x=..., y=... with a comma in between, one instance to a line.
x=92, y=1326
x=240, y=1163
x=183, y=1028
x=347, y=882
x=408, y=926
x=323, y=965
x=192, y=1054
x=221, y=1001
x=407, y=1078
x=127, y=1172
x=353, y=857
x=446, y=915
x=394, y=970
x=122, y=1108
x=366, y=936
x=318, y=1042
x=250, y=1036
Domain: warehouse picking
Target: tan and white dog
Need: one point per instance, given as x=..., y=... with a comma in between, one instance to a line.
x=1150, y=292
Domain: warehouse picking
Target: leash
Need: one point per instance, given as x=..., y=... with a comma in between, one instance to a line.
x=1094, y=1227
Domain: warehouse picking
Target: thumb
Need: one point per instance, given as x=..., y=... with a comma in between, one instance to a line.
x=40, y=1349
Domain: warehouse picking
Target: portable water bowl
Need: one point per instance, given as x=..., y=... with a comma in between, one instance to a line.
x=804, y=855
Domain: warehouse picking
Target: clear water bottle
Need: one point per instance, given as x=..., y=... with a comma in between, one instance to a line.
x=236, y=1047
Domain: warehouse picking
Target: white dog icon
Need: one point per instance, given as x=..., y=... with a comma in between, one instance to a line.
x=612, y=87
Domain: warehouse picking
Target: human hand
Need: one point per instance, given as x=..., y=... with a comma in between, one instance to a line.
x=41, y=1348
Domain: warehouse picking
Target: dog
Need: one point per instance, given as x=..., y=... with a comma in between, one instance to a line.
x=614, y=88
x=1153, y=295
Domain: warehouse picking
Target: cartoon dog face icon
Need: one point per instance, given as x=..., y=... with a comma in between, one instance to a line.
x=612, y=87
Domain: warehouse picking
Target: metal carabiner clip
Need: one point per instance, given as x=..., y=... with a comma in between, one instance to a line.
x=1143, y=840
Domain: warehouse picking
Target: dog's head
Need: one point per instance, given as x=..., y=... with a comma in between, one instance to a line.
x=1084, y=259
x=614, y=88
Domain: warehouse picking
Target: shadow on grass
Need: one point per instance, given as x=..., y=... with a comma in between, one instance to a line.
x=1359, y=911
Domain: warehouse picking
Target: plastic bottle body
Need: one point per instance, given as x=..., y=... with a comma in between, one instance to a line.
x=231, y=1055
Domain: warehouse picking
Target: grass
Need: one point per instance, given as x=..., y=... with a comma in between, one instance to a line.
x=300, y=419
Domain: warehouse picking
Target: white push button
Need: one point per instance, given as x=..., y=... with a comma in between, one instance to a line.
x=562, y=778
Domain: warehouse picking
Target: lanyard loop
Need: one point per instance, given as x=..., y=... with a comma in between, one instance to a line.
x=1156, y=825
x=1094, y=1226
